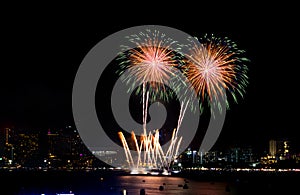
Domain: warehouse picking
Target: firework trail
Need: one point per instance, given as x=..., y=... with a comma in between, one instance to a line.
x=215, y=66
x=171, y=154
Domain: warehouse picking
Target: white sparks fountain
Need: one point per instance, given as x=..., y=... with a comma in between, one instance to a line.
x=150, y=154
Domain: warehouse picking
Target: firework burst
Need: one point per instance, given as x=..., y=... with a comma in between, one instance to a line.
x=215, y=66
x=151, y=63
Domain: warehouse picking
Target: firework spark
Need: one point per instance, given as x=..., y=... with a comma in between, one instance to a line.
x=214, y=67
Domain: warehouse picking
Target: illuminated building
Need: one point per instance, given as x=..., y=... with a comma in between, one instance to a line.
x=8, y=147
x=52, y=142
x=283, y=151
x=66, y=149
x=272, y=148
x=2, y=146
x=109, y=156
x=27, y=149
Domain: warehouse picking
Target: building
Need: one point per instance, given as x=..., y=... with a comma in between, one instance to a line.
x=53, y=142
x=189, y=158
x=283, y=151
x=2, y=146
x=272, y=148
x=279, y=149
x=7, y=147
x=65, y=149
x=27, y=149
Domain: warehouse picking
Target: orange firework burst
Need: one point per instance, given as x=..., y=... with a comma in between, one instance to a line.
x=214, y=67
x=151, y=63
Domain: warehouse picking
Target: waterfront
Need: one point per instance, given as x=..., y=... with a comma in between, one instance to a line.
x=112, y=182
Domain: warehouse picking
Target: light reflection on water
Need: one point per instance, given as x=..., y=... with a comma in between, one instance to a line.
x=171, y=185
x=115, y=185
x=82, y=183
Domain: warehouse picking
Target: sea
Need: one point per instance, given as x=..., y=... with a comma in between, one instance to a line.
x=111, y=183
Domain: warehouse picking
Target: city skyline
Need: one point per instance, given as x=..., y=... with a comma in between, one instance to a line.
x=63, y=149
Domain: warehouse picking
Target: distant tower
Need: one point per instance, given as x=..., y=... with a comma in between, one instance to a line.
x=9, y=148
x=7, y=130
x=201, y=157
x=272, y=147
x=2, y=142
x=52, y=143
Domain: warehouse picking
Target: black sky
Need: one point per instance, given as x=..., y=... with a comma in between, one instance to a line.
x=42, y=50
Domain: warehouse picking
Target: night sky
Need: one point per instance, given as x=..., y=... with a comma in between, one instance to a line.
x=42, y=51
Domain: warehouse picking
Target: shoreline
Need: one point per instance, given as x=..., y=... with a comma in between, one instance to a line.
x=183, y=174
